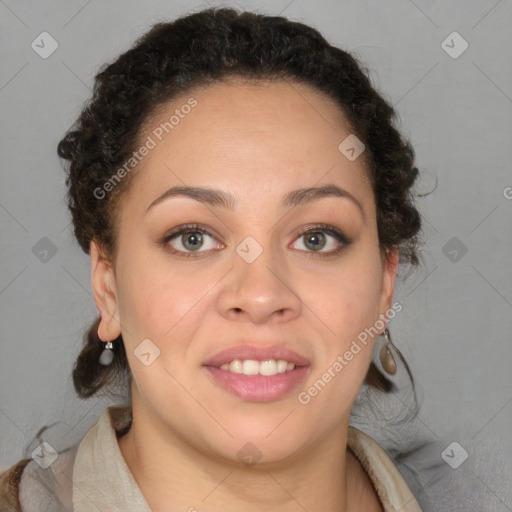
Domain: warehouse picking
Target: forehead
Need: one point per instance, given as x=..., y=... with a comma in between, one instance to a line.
x=258, y=137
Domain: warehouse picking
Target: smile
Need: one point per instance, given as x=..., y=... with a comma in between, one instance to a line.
x=255, y=367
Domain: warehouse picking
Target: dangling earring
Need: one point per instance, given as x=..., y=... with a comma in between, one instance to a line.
x=386, y=357
x=107, y=355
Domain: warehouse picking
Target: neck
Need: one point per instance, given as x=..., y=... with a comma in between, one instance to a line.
x=190, y=480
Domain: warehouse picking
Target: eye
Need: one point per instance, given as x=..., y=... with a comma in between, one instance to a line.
x=190, y=239
x=323, y=236
x=194, y=238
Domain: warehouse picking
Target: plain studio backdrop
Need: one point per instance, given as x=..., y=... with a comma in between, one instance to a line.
x=445, y=66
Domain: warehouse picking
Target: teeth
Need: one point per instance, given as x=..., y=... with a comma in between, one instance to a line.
x=235, y=366
x=268, y=367
x=253, y=367
x=282, y=366
x=250, y=367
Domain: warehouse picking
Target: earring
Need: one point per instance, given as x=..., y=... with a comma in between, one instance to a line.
x=386, y=357
x=107, y=355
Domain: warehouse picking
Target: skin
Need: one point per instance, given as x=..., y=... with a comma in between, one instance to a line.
x=258, y=141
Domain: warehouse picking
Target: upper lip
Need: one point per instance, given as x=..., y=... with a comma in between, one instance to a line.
x=256, y=353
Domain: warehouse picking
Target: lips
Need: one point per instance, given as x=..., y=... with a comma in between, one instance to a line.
x=257, y=353
x=258, y=388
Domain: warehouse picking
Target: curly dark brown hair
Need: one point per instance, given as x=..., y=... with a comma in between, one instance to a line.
x=208, y=47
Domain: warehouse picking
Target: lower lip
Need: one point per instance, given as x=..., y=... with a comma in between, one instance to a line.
x=259, y=388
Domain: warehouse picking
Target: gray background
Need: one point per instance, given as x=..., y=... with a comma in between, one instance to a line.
x=455, y=328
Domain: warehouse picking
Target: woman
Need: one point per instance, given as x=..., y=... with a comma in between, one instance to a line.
x=246, y=202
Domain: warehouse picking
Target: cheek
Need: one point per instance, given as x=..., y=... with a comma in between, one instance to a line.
x=347, y=304
x=347, y=299
x=158, y=307
x=149, y=297
x=162, y=302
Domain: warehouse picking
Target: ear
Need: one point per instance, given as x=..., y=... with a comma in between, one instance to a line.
x=390, y=270
x=104, y=291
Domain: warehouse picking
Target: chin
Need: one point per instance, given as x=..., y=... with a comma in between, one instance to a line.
x=259, y=440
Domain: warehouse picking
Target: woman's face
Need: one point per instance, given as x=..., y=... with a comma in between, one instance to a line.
x=248, y=275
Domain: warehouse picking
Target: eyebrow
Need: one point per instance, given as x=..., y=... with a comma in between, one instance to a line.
x=215, y=197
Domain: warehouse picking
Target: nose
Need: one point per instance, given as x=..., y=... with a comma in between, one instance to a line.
x=259, y=292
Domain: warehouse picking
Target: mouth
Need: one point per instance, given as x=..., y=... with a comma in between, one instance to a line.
x=258, y=374
x=256, y=353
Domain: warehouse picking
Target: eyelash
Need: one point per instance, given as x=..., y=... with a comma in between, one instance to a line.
x=198, y=228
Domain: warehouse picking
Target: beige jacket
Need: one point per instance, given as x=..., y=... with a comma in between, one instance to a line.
x=93, y=476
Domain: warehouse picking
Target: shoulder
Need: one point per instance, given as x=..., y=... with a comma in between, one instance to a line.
x=28, y=486
x=446, y=475
x=391, y=487
x=459, y=476
x=9, y=486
